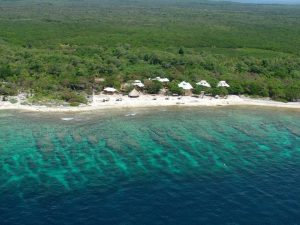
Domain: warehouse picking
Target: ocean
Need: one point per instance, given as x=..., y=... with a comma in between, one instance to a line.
x=269, y=1
x=210, y=165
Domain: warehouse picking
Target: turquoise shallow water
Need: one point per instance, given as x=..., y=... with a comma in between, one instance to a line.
x=159, y=166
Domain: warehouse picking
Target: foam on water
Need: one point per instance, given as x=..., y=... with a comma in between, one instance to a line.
x=67, y=118
x=187, y=166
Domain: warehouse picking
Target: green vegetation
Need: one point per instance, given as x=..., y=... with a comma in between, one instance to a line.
x=174, y=89
x=55, y=49
x=221, y=91
x=153, y=86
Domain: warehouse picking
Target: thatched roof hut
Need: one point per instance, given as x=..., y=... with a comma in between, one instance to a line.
x=134, y=94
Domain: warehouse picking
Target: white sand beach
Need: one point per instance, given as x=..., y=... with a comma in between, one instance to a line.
x=119, y=101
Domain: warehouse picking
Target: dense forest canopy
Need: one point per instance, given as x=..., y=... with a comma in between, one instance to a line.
x=55, y=49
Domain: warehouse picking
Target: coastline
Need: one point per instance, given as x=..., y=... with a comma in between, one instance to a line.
x=146, y=101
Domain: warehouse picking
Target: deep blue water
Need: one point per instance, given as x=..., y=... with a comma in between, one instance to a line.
x=163, y=166
x=269, y=1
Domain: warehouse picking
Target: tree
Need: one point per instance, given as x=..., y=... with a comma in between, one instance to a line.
x=181, y=51
x=236, y=88
x=276, y=90
x=8, y=90
x=174, y=89
x=197, y=90
x=5, y=71
x=292, y=92
x=73, y=97
x=128, y=89
x=153, y=86
x=112, y=81
x=222, y=91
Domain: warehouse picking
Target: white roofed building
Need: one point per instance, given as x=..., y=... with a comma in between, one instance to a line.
x=162, y=80
x=138, y=83
x=203, y=83
x=109, y=90
x=185, y=85
x=223, y=83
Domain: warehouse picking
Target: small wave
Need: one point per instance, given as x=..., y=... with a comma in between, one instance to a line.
x=67, y=118
x=130, y=114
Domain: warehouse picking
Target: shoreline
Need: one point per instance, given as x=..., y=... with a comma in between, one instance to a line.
x=146, y=101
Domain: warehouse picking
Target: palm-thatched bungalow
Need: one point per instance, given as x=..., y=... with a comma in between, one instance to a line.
x=134, y=94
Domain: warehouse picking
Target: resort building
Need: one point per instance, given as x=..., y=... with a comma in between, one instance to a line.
x=109, y=90
x=162, y=80
x=138, y=83
x=223, y=83
x=187, y=87
x=203, y=83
